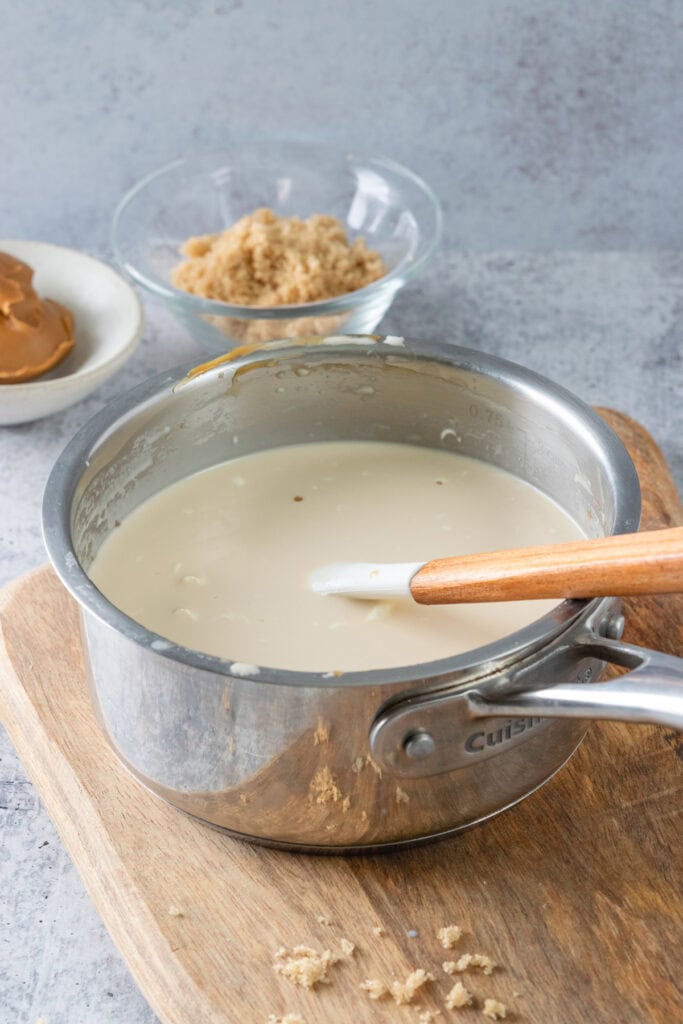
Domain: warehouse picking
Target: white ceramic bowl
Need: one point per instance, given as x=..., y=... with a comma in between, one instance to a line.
x=108, y=322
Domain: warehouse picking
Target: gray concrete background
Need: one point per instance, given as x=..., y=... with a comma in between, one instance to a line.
x=542, y=126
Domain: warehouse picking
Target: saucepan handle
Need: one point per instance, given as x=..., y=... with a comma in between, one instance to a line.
x=426, y=734
x=652, y=692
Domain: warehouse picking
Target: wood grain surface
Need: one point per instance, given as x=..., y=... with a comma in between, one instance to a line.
x=575, y=893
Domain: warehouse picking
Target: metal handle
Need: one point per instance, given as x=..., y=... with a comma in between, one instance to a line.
x=651, y=693
x=426, y=734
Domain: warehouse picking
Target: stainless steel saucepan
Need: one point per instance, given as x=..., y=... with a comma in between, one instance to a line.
x=375, y=759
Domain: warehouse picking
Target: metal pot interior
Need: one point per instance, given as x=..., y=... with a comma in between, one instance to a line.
x=446, y=398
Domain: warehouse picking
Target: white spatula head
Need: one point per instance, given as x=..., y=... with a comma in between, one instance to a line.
x=372, y=581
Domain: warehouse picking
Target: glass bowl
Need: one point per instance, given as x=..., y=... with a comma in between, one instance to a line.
x=375, y=198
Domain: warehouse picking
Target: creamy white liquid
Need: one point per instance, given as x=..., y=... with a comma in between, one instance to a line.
x=220, y=561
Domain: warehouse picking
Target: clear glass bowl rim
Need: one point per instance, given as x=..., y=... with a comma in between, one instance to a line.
x=395, y=279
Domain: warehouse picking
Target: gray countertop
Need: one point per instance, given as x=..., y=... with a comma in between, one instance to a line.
x=541, y=126
x=607, y=326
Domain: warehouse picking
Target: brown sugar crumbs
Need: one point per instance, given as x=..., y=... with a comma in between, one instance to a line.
x=468, y=960
x=303, y=965
x=458, y=997
x=449, y=935
x=405, y=991
x=321, y=734
x=266, y=260
x=374, y=988
x=494, y=1009
x=307, y=967
x=324, y=788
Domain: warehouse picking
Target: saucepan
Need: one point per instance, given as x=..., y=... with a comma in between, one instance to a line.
x=377, y=759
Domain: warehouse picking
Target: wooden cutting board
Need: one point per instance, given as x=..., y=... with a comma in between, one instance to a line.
x=575, y=893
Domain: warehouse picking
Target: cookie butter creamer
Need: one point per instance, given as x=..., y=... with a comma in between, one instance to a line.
x=220, y=562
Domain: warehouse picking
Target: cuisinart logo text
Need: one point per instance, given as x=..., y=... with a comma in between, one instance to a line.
x=478, y=741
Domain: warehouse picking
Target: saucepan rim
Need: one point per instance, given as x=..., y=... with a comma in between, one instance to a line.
x=70, y=465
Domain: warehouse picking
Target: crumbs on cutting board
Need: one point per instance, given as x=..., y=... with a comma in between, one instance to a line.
x=468, y=960
x=458, y=996
x=449, y=935
x=375, y=988
x=405, y=991
x=308, y=967
x=494, y=1009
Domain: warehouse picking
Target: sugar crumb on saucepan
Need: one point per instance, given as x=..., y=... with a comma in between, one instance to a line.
x=405, y=991
x=323, y=919
x=174, y=912
x=458, y=997
x=468, y=960
x=494, y=1010
x=379, y=931
x=375, y=988
x=428, y=1016
x=289, y=1018
x=321, y=734
x=449, y=935
x=323, y=787
x=401, y=796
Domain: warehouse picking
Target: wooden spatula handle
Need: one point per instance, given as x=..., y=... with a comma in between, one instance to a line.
x=631, y=563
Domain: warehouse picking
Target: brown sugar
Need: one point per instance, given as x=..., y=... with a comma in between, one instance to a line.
x=307, y=967
x=375, y=988
x=449, y=935
x=405, y=991
x=347, y=949
x=266, y=260
x=322, y=732
x=458, y=997
x=494, y=1010
x=324, y=788
x=468, y=960
x=303, y=966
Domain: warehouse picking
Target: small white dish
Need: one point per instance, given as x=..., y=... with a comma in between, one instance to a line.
x=108, y=322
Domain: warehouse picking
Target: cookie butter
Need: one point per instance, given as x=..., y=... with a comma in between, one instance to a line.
x=35, y=333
